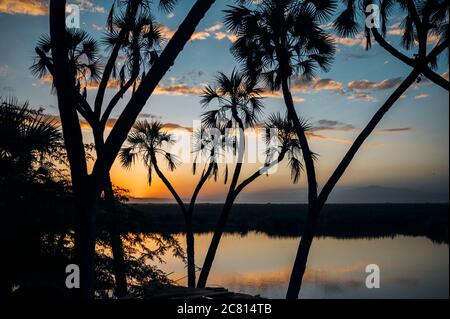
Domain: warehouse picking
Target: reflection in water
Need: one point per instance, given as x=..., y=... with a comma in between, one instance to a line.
x=411, y=267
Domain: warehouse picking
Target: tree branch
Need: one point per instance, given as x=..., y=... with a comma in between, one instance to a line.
x=151, y=80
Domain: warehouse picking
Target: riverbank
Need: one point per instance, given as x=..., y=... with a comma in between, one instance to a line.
x=337, y=220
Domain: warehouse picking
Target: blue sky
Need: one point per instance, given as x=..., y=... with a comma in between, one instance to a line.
x=409, y=148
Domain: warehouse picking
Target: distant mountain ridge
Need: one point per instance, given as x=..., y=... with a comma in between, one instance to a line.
x=373, y=194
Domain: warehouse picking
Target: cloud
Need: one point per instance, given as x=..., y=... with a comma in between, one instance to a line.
x=317, y=84
x=168, y=34
x=225, y=35
x=360, y=85
x=431, y=38
x=90, y=6
x=331, y=125
x=41, y=8
x=395, y=130
x=350, y=42
x=315, y=136
x=361, y=96
x=28, y=7
x=202, y=35
x=279, y=95
x=214, y=32
x=215, y=27
x=178, y=90
x=421, y=96
x=358, y=40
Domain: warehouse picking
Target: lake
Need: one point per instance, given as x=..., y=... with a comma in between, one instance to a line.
x=257, y=264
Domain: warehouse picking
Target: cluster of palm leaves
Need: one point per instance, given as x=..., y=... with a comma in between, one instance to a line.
x=29, y=141
x=147, y=140
x=84, y=57
x=282, y=141
x=433, y=12
x=281, y=37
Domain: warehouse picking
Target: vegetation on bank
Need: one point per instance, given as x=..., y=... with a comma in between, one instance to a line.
x=338, y=220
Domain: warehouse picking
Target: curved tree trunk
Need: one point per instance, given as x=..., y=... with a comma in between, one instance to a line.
x=188, y=224
x=212, y=250
x=231, y=196
x=166, y=60
x=301, y=259
x=190, y=241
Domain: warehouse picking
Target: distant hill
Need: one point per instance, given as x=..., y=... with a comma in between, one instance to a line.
x=369, y=194
x=341, y=195
x=379, y=194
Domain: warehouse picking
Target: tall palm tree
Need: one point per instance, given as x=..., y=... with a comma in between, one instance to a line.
x=278, y=40
x=284, y=144
x=421, y=19
x=238, y=107
x=148, y=141
x=347, y=24
x=88, y=187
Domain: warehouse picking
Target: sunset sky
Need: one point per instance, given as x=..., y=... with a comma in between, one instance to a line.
x=410, y=149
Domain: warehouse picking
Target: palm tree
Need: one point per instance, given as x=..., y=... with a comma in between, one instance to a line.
x=71, y=102
x=421, y=19
x=280, y=146
x=148, y=141
x=346, y=24
x=238, y=106
x=277, y=41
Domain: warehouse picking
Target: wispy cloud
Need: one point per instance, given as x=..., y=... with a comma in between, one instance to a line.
x=317, y=84
x=362, y=85
x=178, y=90
x=395, y=130
x=41, y=8
x=28, y=7
x=421, y=96
x=332, y=125
x=361, y=96
x=215, y=27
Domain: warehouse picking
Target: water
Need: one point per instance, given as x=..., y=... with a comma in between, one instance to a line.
x=256, y=264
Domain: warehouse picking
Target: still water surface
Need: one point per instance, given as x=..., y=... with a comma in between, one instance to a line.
x=410, y=267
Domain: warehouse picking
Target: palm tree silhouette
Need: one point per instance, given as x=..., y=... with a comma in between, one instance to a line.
x=284, y=144
x=122, y=22
x=421, y=19
x=148, y=141
x=27, y=137
x=430, y=18
x=281, y=39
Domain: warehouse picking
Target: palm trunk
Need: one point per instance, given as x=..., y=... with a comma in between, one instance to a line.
x=221, y=223
x=301, y=259
x=190, y=251
x=166, y=60
x=190, y=243
x=188, y=223
x=83, y=186
x=212, y=250
x=116, y=243
x=220, y=227
x=114, y=232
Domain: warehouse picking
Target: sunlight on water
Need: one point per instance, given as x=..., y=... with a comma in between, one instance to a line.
x=410, y=267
